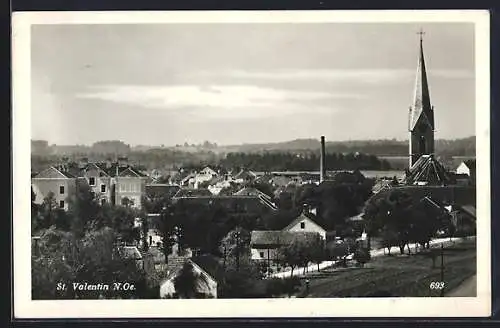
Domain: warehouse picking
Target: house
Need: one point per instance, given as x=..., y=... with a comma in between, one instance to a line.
x=190, y=192
x=116, y=183
x=464, y=219
x=128, y=184
x=265, y=244
x=232, y=204
x=98, y=180
x=205, y=284
x=216, y=188
x=303, y=223
x=156, y=190
x=245, y=176
x=468, y=167
x=56, y=180
x=254, y=192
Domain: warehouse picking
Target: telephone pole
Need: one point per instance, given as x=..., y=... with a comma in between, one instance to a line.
x=442, y=270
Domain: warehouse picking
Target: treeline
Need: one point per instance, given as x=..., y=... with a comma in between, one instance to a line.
x=304, y=162
x=382, y=147
x=276, y=161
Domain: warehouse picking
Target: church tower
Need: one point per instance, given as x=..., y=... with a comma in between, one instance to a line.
x=421, y=115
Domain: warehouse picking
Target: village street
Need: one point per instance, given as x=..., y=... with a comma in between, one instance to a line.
x=374, y=253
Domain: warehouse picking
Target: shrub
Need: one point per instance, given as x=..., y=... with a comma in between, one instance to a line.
x=362, y=255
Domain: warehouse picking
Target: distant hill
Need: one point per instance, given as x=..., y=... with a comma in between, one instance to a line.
x=384, y=147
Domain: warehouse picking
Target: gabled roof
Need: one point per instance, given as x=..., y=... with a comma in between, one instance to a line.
x=245, y=174
x=116, y=170
x=176, y=266
x=427, y=170
x=54, y=173
x=471, y=164
x=101, y=168
x=300, y=218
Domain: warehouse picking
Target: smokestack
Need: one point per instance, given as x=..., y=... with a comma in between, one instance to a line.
x=322, y=166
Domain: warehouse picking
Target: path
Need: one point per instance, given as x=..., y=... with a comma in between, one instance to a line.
x=465, y=289
x=374, y=253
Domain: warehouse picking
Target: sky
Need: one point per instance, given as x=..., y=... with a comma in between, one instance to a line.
x=153, y=84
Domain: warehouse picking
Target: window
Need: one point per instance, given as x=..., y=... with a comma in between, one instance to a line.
x=61, y=204
x=302, y=225
x=61, y=190
x=261, y=254
x=422, y=145
x=103, y=188
x=92, y=181
x=103, y=201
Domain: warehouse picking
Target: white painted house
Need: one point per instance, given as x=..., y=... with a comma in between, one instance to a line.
x=304, y=224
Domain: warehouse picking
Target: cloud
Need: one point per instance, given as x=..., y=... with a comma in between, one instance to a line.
x=355, y=76
x=219, y=101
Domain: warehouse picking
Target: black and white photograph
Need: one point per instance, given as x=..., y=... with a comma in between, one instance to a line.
x=252, y=158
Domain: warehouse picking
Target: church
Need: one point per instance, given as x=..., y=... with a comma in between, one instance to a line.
x=424, y=168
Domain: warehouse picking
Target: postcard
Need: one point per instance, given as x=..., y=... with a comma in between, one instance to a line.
x=251, y=164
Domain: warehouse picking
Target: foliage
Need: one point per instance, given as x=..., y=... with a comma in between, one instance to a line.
x=186, y=281
x=62, y=258
x=362, y=256
x=399, y=219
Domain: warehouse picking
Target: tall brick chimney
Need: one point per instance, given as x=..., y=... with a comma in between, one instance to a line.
x=322, y=166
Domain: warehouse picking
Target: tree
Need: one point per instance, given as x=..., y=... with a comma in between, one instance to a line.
x=235, y=247
x=167, y=226
x=392, y=213
x=185, y=282
x=362, y=256
x=317, y=250
x=339, y=250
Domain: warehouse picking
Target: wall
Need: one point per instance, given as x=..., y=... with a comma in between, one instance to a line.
x=46, y=185
x=310, y=226
x=105, y=180
x=132, y=188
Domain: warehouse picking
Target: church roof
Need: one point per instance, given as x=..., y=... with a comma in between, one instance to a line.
x=421, y=108
x=427, y=170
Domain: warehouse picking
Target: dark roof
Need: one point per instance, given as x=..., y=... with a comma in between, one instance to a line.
x=188, y=192
x=245, y=174
x=124, y=171
x=427, y=169
x=471, y=163
x=277, y=237
x=211, y=265
x=469, y=209
x=162, y=190
x=230, y=202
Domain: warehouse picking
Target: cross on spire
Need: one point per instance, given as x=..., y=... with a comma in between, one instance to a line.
x=421, y=33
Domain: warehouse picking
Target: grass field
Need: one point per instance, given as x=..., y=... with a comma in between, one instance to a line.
x=401, y=276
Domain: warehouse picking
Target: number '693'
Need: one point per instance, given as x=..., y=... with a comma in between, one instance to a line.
x=436, y=285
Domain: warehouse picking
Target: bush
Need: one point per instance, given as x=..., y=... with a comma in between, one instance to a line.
x=362, y=256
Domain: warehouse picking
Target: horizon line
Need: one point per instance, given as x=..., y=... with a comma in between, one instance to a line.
x=240, y=144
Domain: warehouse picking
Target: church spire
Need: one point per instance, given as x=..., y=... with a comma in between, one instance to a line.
x=421, y=107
